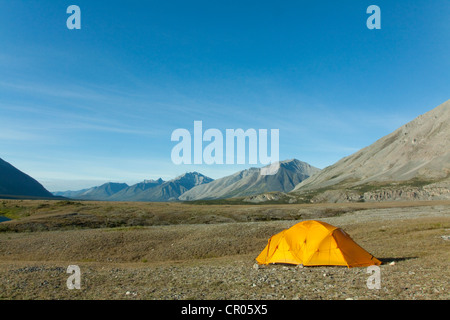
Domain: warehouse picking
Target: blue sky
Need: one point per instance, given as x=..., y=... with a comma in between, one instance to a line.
x=82, y=107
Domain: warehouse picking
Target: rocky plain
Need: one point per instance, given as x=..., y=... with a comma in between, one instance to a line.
x=207, y=252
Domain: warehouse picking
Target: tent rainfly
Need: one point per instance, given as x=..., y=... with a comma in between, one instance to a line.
x=315, y=243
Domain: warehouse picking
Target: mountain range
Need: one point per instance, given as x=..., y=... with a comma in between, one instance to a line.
x=195, y=186
x=411, y=163
x=96, y=193
x=251, y=182
x=148, y=190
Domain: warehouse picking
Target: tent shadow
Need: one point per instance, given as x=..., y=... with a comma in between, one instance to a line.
x=395, y=259
x=383, y=261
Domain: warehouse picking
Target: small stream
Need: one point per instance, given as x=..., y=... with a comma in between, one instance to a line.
x=3, y=219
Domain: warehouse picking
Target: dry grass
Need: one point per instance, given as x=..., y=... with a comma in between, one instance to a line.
x=215, y=260
x=46, y=215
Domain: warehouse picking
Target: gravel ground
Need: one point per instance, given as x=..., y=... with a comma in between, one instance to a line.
x=230, y=280
x=411, y=242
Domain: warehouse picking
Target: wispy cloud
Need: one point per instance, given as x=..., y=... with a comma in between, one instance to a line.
x=44, y=119
x=64, y=92
x=19, y=135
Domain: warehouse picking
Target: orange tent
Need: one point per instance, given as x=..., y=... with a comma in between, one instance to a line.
x=315, y=243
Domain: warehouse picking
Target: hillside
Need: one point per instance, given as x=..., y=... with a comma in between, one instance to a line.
x=413, y=156
x=14, y=182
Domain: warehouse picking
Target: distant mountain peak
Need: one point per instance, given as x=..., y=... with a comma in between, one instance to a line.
x=190, y=174
x=157, y=181
x=250, y=182
x=193, y=179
